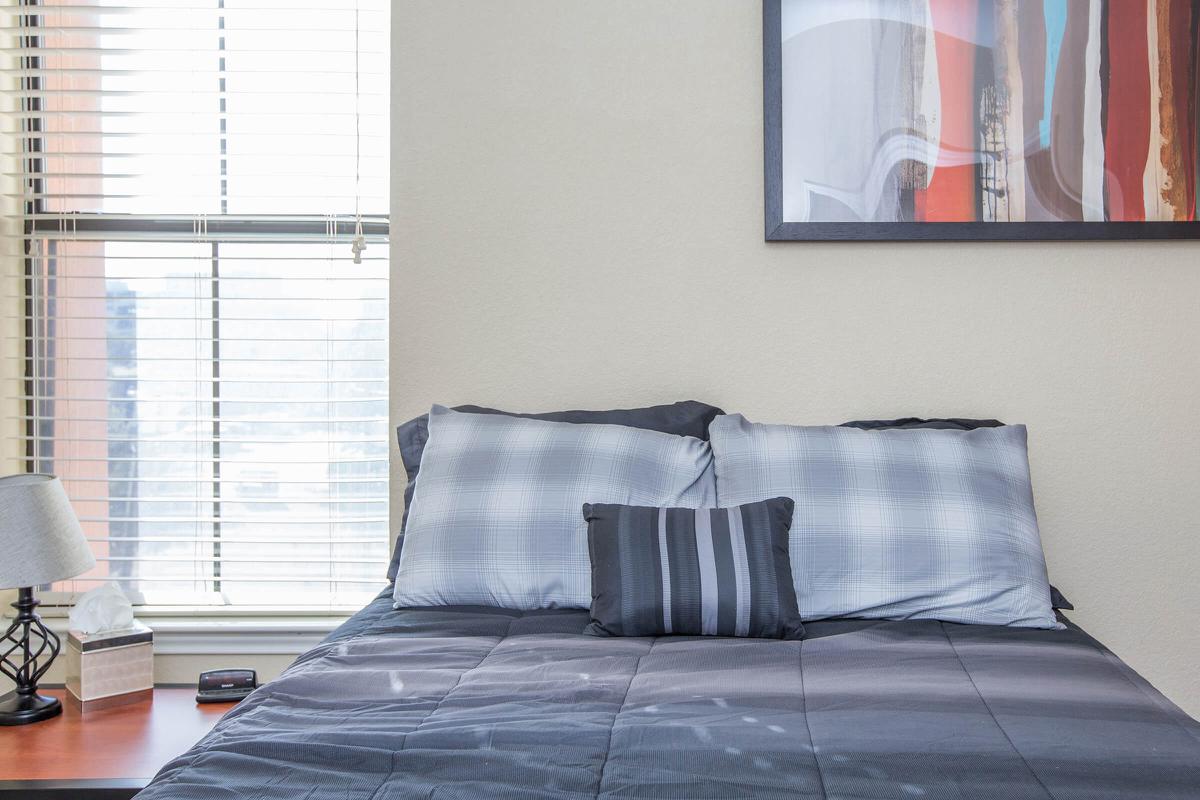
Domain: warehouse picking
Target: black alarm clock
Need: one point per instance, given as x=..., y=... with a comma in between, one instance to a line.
x=225, y=685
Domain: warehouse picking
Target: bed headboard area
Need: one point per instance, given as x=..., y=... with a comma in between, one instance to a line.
x=582, y=228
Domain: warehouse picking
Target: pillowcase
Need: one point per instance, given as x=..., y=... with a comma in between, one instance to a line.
x=1057, y=598
x=495, y=518
x=898, y=524
x=686, y=418
x=707, y=571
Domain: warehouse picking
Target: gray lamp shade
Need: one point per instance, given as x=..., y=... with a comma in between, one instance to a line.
x=40, y=538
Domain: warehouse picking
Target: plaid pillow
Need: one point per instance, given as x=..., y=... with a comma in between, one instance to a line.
x=495, y=518
x=683, y=418
x=707, y=571
x=898, y=524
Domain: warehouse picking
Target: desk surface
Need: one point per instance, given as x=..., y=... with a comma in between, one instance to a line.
x=109, y=750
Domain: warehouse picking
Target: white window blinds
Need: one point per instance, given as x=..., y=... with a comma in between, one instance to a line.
x=202, y=358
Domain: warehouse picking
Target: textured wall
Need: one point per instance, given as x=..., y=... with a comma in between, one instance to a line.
x=577, y=221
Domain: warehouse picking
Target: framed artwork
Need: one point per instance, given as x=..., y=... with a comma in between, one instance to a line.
x=981, y=119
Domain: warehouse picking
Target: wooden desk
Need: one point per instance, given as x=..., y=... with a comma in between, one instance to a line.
x=101, y=755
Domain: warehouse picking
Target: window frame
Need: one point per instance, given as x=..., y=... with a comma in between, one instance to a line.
x=203, y=615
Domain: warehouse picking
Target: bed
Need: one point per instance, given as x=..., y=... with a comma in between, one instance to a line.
x=474, y=702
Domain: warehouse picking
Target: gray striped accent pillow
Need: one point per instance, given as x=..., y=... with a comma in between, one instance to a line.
x=707, y=571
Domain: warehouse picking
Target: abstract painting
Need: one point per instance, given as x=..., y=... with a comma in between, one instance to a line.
x=981, y=119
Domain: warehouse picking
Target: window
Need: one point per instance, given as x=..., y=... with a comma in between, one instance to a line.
x=204, y=358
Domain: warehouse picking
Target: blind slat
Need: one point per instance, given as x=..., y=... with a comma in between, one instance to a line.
x=327, y=440
x=230, y=540
x=229, y=401
x=68, y=460
x=265, y=578
x=231, y=498
x=225, y=482
x=201, y=420
x=226, y=560
x=230, y=520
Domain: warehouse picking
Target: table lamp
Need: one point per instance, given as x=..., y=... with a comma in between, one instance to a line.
x=40, y=542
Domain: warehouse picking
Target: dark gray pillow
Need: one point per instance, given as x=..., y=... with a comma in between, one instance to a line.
x=692, y=572
x=1057, y=600
x=936, y=423
x=685, y=418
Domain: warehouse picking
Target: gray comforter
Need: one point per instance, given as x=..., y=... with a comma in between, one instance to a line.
x=486, y=703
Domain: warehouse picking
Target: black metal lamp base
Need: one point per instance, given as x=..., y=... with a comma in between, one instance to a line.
x=21, y=709
x=26, y=650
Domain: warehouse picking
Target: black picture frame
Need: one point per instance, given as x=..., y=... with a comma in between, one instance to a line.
x=779, y=231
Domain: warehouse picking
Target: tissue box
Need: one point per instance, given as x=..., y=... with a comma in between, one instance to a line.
x=110, y=668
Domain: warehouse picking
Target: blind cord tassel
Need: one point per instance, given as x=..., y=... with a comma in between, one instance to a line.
x=360, y=242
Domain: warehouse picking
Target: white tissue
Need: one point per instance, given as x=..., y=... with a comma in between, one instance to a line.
x=105, y=608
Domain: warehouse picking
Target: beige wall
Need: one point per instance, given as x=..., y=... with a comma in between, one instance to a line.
x=577, y=221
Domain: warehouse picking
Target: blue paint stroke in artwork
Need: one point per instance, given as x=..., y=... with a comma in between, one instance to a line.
x=1055, y=12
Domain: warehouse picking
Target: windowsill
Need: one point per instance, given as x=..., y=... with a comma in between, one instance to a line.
x=181, y=631
x=214, y=629
x=217, y=612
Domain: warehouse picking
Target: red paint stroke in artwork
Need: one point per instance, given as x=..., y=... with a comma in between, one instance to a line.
x=1127, y=127
x=951, y=195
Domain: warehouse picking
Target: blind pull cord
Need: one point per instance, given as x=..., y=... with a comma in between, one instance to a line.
x=360, y=243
